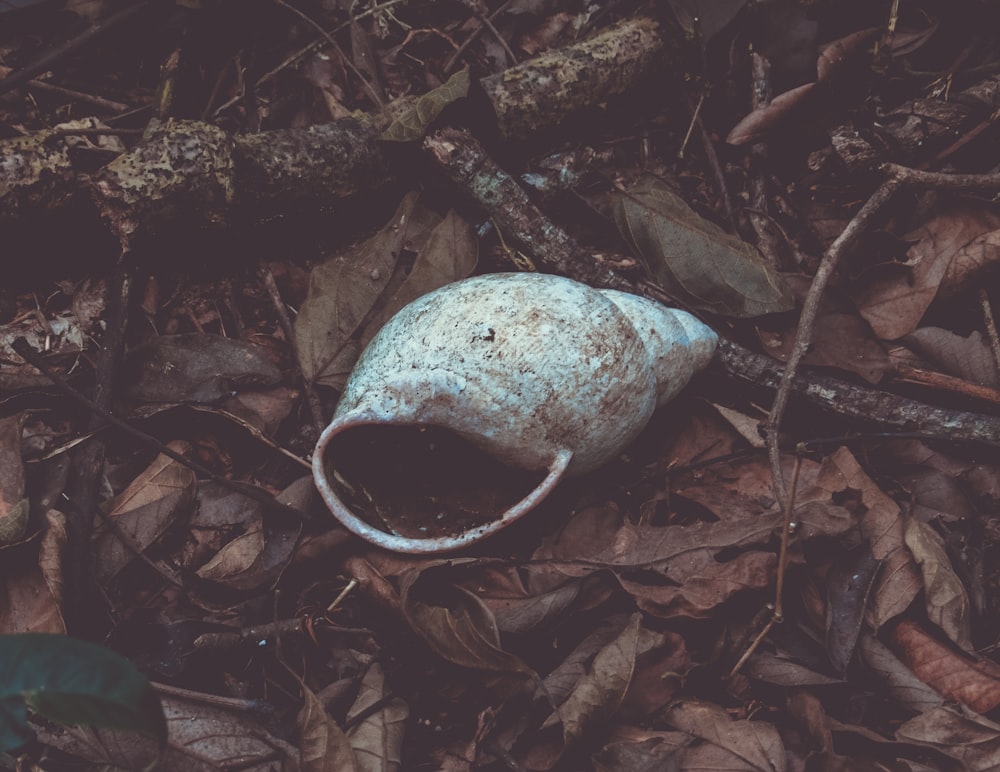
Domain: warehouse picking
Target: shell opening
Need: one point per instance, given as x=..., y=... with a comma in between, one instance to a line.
x=422, y=482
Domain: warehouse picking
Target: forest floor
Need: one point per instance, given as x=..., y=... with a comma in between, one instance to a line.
x=209, y=208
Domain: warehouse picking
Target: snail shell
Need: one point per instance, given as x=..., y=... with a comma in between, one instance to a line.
x=540, y=373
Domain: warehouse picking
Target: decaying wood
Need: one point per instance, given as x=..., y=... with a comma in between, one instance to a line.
x=920, y=129
x=546, y=90
x=193, y=174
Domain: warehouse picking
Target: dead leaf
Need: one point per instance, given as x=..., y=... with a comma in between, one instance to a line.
x=464, y=632
x=848, y=583
x=732, y=744
x=971, y=738
x=342, y=292
x=323, y=746
x=256, y=544
x=599, y=690
x=944, y=594
x=377, y=739
x=449, y=254
x=841, y=338
x=968, y=358
x=196, y=368
x=974, y=682
x=956, y=242
x=163, y=493
x=694, y=258
x=422, y=112
x=883, y=524
x=787, y=109
x=902, y=683
x=349, y=290
x=844, y=59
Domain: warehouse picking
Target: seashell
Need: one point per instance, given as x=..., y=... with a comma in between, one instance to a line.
x=514, y=381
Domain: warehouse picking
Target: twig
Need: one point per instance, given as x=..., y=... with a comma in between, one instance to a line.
x=77, y=96
x=991, y=329
x=803, y=336
x=487, y=21
x=778, y=613
x=861, y=402
x=315, y=407
x=50, y=58
x=372, y=91
x=453, y=60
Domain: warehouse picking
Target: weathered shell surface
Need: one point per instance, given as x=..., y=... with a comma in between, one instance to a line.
x=539, y=371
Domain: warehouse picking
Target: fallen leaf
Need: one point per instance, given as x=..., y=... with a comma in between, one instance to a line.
x=694, y=258
x=464, y=632
x=449, y=254
x=971, y=738
x=163, y=493
x=734, y=744
x=377, y=735
x=902, y=684
x=945, y=598
x=968, y=358
x=196, y=368
x=786, y=109
x=323, y=746
x=883, y=524
x=959, y=239
x=972, y=681
x=342, y=292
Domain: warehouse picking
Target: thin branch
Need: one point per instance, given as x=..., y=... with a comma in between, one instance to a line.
x=855, y=228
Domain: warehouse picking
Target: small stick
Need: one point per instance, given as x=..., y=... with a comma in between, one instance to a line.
x=778, y=616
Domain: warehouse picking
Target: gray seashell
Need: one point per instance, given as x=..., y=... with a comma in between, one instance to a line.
x=539, y=372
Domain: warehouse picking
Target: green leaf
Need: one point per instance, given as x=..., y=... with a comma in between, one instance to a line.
x=695, y=259
x=72, y=682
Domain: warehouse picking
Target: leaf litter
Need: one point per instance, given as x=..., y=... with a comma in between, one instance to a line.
x=604, y=633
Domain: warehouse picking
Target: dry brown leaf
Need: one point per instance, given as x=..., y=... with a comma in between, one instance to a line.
x=27, y=602
x=841, y=338
x=323, y=746
x=968, y=358
x=463, y=632
x=253, y=544
x=944, y=595
x=201, y=738
x=973, y=739
x=954, y=244
x=598, y=691
x=732, y=744
x=377, y=739
x=848, y=583
x=694, y=258
x=449, y=254
x=784, y=110
x=342, y=292
x=841, y=59
x=196, y=368
x=154, y=501
x=883, y=524
x=902, y=684
x=642, y=750
x=973, y=682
